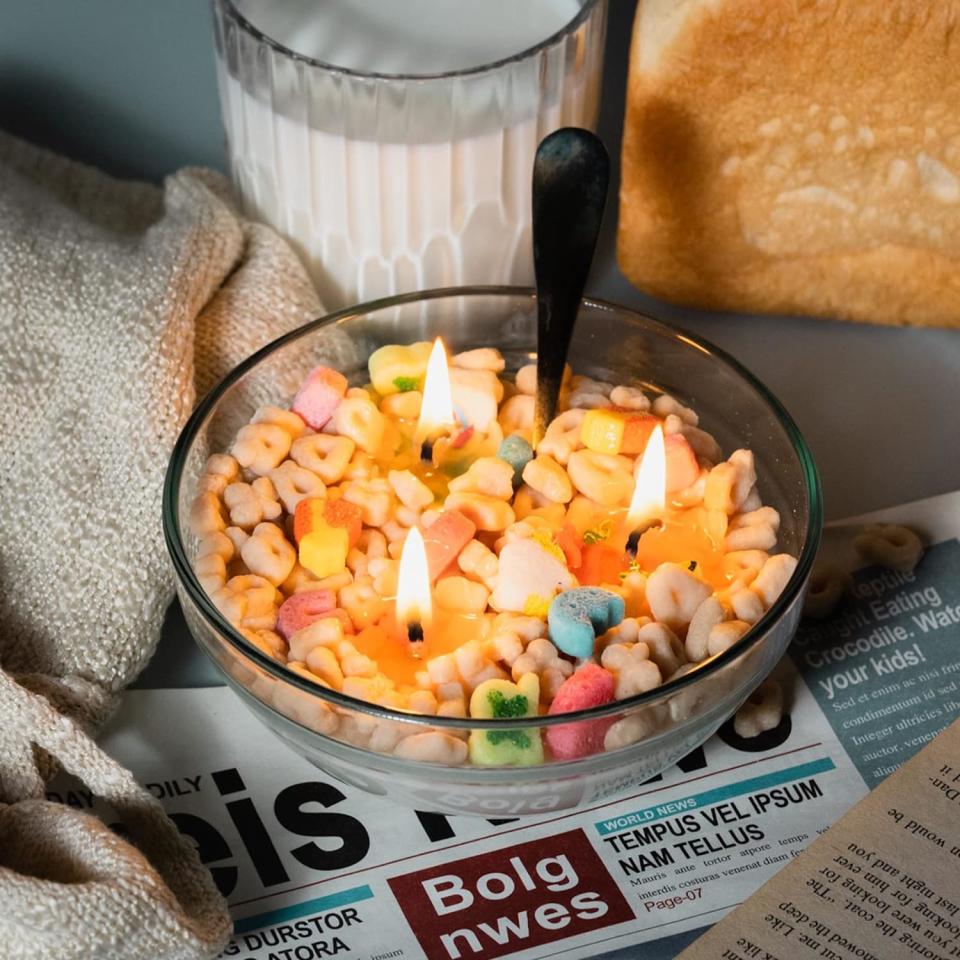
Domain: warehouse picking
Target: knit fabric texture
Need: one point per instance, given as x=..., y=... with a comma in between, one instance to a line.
x=120, y=304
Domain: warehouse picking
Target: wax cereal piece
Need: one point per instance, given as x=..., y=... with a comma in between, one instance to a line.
x=631, y=729
x=480, y=562
x=710, y=613
x=542, y=658
x=482, y=358
x=206, y=515
x=323, y=632
x=635, y=672
x=325, y=454
x=490, y=476
x=773, y=578
x=548, y=478
x=630, y=398
x=319, y=395
x=485, y=513
x=663, y=646
x=261, y=447
x=374, y=497
x=725, y=635
x=528, y=568
x=674, y=594
x=501, y=699
x=293, y=483
x=358, y=419
x=590, y=686
x=683, y=470
x=577, y=617
x=762, y=711
x=287, y=419
x=302, y=609
x=563, y=436
x=828, y=584
x=410, y=490
x=586, y=393
x=476, y=394
x=516, y=451
x=602, y=431
x=604, y=478
x=403, y=406
x=268, y=554
x=397, y=368
x=343, y=513
x=459, y=593
x=890, y=546
x=324, y=551
x=432, y=747
x=516, y=415
x=444, y=539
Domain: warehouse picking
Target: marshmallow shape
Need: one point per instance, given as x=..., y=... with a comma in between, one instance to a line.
x=590, y=686
x=444, y=539
x=398, y=369
x=319, y=395
x=576, y=618
x=518, y=453
x=302, y=609
x=498, y=699
x=528, y=569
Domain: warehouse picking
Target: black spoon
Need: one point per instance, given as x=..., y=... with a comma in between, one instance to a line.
x=571, y=172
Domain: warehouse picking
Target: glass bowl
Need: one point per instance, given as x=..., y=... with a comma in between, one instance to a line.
x=610, y=343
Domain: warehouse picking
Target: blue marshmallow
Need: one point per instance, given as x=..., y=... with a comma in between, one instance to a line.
x=577, y=617
x=518, y=453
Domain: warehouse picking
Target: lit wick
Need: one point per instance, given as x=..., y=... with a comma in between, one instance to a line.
x=414, y=608
x=650, y=492
x=436, y=409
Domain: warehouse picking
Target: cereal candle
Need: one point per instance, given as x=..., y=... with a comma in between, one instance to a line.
x=490, y=580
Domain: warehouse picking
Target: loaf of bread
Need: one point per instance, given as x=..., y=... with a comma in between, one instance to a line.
x=795, y=157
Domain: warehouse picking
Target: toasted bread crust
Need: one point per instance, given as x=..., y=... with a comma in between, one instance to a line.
x=796, y=156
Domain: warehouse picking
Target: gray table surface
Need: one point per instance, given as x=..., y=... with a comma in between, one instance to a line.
x=130, y=87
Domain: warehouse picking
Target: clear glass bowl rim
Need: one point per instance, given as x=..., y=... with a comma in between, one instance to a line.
x=218, y=623
x=230, y=10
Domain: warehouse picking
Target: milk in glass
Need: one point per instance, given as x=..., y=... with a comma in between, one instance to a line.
x=373, y=135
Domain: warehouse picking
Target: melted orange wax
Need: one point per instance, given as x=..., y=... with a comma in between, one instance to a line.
x=684, y=539
x=401, y=660
x=685, y=536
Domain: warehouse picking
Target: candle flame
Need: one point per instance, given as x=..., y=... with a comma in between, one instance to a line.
x=650, y=493
x=413, y=582
x=436, y=410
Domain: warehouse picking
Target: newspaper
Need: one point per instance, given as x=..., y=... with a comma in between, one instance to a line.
x=315, y=868
x=883, y=883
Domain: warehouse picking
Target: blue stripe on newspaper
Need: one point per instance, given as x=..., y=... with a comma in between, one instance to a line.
x=318, y=904
x=708, y=797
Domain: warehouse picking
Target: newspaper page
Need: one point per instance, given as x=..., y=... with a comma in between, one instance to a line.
x=883, y=883
x=315, y=868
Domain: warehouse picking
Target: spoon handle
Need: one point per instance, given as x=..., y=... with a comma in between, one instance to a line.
x=571, y=173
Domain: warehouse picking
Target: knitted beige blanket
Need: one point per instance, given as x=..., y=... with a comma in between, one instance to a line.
x=120, y=303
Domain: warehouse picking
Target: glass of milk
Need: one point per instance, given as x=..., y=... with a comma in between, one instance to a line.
x=392, y=141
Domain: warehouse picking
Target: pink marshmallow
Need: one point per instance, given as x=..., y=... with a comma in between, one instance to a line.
x=319, y=395
x=590, y=686
x=302, y=609
x=444, y=539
